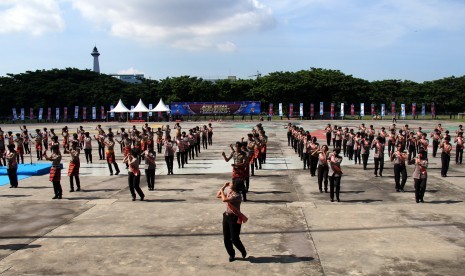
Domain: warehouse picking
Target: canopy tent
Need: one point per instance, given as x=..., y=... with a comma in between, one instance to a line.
x=140, y=107
x=120, y=107
x=161, y=107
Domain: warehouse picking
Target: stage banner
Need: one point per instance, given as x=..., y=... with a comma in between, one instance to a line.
x=49, y=114
x=94, y=113
x=291, y=110
x=414, y=109
x=362, y=109
x=423, y=109
x=76, y=112
x=65, y=113
x=393, y=108
x=352, y=110
x=31, y=113
x=301, y=110
x=270, y=110
x=57, y=114
x=433, y=110
x=15, y=116
x=84, y=113
x=102, y=112
x=383, y=110
x=373, y=110
x=22, y=114
x=321, y=109
x=402, y=110
x=342, y=110
x=132, y=113
x=312, y=110
x=280, y=109
x=41, y=111
x=217, y=108
x=150, y=113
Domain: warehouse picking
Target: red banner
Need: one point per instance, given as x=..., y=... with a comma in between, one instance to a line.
x=84, y=113
x=414, y=109
x=49, y=114
x=65, y=113
x=102, y=112
x=332, y=110
x=270, y=110
x=31, y=113
x=433, y=110
x=291, y=110
x=393, y=108
x=352, y=110
x=373, y=110
x=312, y=110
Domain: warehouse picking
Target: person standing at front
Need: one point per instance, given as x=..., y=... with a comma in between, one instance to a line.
x=150, y=167
x=399, y=157
x=232, y=220
x=445, y=156
x=335, y=174
x=134, y=174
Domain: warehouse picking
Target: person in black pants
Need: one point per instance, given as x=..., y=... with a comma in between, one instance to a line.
x=365, y=150
x=169, y=154
x=445, y=156
x=150, y=167
x=420, y=175
x=134, y=174
x=323, y=168
x=335, y=173
x=55, y=170
x=12, y=166
x=459, y=148
x=232, y=220
x=399, y=157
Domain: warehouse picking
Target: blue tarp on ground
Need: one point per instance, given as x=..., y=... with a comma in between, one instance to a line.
x=30, y=169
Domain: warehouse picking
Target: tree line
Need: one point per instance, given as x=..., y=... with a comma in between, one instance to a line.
x=74, y=87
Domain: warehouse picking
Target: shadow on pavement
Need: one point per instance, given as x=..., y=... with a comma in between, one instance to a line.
x=445, y=201
x=284, y=259
x=18, y=246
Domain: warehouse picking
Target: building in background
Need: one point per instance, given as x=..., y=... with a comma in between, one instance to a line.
x=135, y=78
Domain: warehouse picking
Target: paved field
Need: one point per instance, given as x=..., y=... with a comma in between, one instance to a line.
x=293, y=228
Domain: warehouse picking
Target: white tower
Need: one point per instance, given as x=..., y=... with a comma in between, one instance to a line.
x=95, y=54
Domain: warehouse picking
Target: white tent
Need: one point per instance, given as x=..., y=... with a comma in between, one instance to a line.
x=140, y=107
x=120, y=107
x=161, y=107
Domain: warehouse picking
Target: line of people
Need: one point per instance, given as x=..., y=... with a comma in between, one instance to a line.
x=357, y=147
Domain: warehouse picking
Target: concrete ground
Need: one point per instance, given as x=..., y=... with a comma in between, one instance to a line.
x=293, y=229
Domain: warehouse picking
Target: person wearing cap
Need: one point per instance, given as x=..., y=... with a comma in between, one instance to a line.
x=55, y=170
x=445, y=156
x=74, y=164
x=12, y=166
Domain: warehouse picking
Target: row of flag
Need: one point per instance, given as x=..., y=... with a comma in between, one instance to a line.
x=58, y=115
x=383, y=112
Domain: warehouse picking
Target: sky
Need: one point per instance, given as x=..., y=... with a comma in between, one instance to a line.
x=418, y=40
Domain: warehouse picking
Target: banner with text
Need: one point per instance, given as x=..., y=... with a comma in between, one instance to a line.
x=291, y=110
x=312, y=110
x=15, y=116
x=362, y=109
x=383, y=110
x=352, y=110
x=414, y=109
x=301, y=109
x=423, y=109
x=280, y=109
x=215, y=108
x=342, y=110
x=41, y=111
x=402, y=110
x=321, y=109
